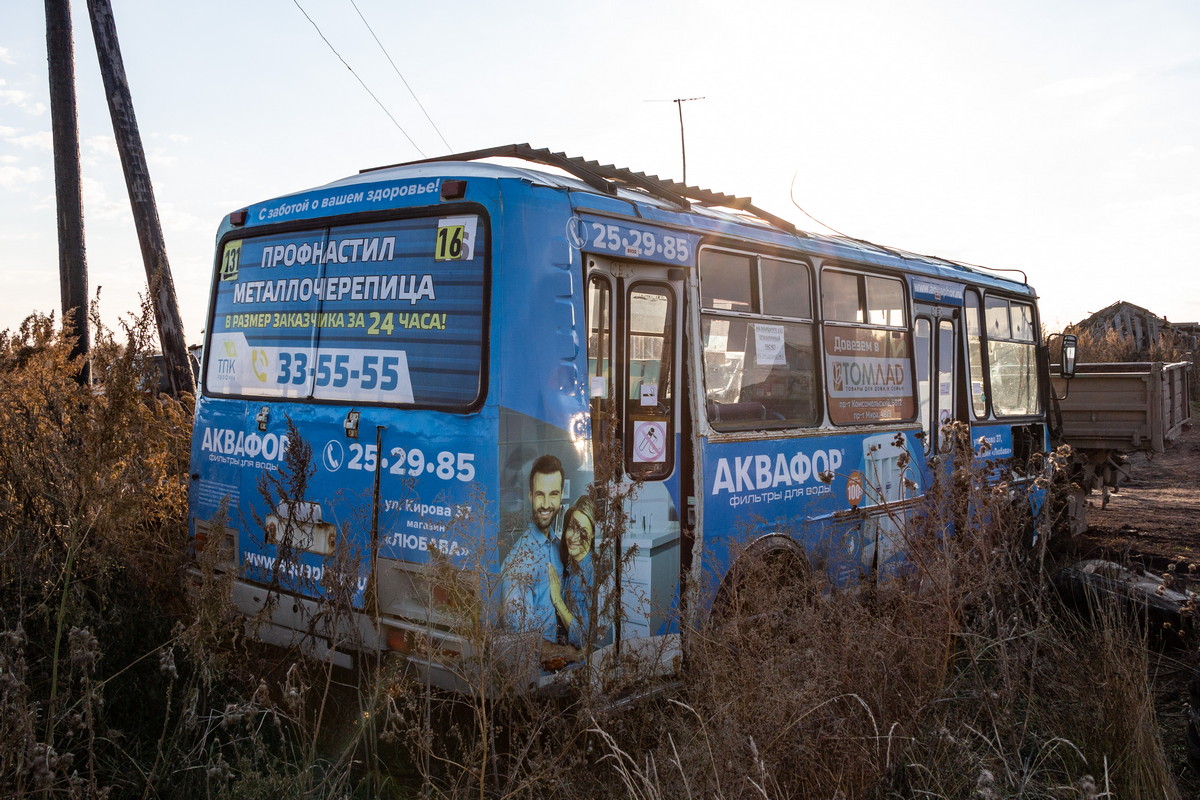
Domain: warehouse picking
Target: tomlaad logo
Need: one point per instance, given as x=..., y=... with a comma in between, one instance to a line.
x=869, y=376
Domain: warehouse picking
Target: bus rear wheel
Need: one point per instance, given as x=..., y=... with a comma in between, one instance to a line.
x=767, y=585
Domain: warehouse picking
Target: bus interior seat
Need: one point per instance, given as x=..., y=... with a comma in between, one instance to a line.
x=735, y=412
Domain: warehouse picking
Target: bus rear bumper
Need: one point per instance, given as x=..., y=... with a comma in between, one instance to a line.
x=441, y=658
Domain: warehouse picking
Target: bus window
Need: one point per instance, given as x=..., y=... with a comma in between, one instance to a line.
x=840, y=297
x=868, y=377
x=374, y=313
x=650, y=349
x=759, y=364
x=251, y=359
x=947, y=400
x=975, y=355
x=727, y=281
x=921, y=354
x=784, y=293
x=600, y=358
x=996, y=312
x=1021, y=316
x=885, y=301
x=1012, y=357
x=599, y=346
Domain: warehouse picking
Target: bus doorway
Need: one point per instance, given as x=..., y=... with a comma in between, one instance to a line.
x=634, y=319
x=937, y=367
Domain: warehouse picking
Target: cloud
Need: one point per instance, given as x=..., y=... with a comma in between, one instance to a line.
x=1166, y=152
x=160, y=157
x=1088, y=84
x=98, y=205
x=5, y=58
x=101, y=145
x=13, y=178
x=1185, y=68
x=13, y=97
x=21, y=99
x=40, y=140
x=177, y=220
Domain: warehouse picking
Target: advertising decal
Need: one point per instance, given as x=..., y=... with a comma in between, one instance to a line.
x=869, y=377
x=387, y=312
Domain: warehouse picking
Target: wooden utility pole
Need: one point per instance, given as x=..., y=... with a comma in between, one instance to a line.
x=141, y=198
x=64, y=122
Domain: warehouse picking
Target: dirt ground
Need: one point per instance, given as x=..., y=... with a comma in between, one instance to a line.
x=1155, y=517
x=1153, y=521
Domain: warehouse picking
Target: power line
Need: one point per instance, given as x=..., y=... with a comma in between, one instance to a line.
x=904, y=254
x=792, y=197
x=360, y=80
x=402, y=78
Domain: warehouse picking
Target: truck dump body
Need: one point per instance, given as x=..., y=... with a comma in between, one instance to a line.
x=1125, y=407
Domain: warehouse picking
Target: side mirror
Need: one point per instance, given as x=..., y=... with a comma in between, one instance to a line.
x=1069, y=344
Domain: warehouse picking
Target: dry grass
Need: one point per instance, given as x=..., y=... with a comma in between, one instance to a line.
x=1110, y=346
x=963, y=679
x=966, y=678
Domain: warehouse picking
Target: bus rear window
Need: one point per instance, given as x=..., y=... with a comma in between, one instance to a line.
x=385, y=312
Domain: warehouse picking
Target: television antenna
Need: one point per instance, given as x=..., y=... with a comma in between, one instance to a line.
x=679, y=101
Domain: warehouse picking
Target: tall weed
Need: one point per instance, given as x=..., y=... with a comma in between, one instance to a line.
x=123, y=673
x=92, y=498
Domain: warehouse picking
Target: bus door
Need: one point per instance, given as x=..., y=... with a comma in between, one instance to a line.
x=937, y=367
x=634, y=319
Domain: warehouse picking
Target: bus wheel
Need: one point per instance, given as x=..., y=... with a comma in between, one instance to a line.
x=767, y=584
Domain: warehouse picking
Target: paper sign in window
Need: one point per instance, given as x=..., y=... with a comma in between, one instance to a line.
x=768, y=350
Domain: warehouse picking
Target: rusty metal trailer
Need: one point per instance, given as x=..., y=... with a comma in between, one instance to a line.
x=1138, y=405
x=1108, y=410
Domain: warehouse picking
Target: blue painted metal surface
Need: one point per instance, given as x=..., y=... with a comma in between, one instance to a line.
x=451, y=333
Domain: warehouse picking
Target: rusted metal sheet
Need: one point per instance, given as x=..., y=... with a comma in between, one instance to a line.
x=1125, y=407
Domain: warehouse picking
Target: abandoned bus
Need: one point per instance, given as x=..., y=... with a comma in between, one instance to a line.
x=468, y=349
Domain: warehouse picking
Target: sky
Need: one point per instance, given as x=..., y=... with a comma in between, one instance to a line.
x=1057, y=138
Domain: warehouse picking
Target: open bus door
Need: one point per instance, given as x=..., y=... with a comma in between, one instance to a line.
x=942, y=391
x=937, y=368
x=637, y=405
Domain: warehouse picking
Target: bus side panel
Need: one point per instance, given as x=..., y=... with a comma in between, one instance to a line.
x=842, y=497
x=997, y=453
x=537, y=340
x=540, y=373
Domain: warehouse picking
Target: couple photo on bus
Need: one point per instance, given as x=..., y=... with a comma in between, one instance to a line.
x=548, y=579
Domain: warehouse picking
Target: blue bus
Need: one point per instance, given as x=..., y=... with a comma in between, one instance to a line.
x=473, y=370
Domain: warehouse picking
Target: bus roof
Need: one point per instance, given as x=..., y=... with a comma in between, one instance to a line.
x=669, y=202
